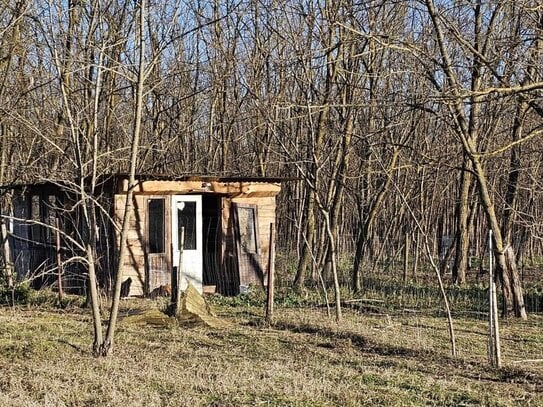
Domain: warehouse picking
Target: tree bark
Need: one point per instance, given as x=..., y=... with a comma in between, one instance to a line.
x=461, y=258
x=305, y=262
x=513, y=300
x=107, y=346
x=315, y=152
x=366, y=225
x=467, y=132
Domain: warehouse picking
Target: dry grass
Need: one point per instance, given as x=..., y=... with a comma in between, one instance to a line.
x=304, y=360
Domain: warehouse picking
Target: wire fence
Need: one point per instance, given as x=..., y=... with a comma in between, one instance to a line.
x=386, y=287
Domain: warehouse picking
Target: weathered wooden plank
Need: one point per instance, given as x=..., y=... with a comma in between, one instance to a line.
x=182, y=187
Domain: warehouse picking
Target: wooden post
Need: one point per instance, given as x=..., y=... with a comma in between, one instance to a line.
x=271, y=276
x=179, y=272
x=6, y=251
x=59, y=261
x=494, y=351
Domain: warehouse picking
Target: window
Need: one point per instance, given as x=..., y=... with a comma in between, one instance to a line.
x=247, y=229
x=155, y=227
x=50, y=217
x=35, y=215
x=186, y=218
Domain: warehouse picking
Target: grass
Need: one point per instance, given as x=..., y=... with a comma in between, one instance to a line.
x=303, y=360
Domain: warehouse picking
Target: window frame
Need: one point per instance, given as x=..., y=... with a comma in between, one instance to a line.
x=149, y=227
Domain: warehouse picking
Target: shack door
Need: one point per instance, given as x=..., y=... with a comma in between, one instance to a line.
x=187, y=215
x=157, y=249
x=247, y=242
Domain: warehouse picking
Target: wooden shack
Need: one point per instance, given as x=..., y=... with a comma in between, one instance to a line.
x=225, y=223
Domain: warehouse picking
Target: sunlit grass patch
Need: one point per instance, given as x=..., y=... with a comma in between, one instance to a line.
x=304, y=359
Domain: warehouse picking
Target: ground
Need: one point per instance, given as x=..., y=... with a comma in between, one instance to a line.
x=305, y=359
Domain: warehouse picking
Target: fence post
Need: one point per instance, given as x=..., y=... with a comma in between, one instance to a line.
x=271, y=276
x=179, y=272
x=494, y=351
x=59, y=261
x=6, y=251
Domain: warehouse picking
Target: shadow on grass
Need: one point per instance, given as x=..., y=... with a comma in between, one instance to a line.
x=430, y=361
x=362, y=343
x=79, y=349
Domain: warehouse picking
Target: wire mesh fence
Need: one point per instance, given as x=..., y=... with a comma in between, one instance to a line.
x=386, y=287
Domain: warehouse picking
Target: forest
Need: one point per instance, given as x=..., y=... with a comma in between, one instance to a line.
x=403, y=130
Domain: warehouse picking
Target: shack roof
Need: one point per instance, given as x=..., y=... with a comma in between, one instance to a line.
x=117, y=177
x=203, y=178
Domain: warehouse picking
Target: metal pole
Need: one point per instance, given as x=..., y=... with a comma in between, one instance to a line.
x=491, y=353
x=494, y=339
x=179, y=271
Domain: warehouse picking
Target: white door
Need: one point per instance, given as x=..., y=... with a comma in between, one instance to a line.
x=187, y=215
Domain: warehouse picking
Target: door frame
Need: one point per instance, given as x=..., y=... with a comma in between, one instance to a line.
x=249, y=263
x=192, y=259
x=166, y=254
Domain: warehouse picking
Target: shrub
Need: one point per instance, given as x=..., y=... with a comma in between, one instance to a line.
x=19, y=294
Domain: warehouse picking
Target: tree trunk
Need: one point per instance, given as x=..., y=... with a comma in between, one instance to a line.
x=107, y=346
x=332, y=248
x=467, y=132
x=95, y=303
x=305, y=262
x=461, y=258
x=513, y=300
x=367, y=224
x=407, y=246
x=315, y=152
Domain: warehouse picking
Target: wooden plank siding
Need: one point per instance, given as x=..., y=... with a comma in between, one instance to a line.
x=228, y=278
x=134, y=265
x=266, y=214
x=219, y=249
x=138, y=262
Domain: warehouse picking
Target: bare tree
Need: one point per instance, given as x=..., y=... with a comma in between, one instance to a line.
x=468, y=126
